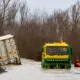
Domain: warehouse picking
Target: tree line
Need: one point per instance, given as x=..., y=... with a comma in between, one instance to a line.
x=32, y=30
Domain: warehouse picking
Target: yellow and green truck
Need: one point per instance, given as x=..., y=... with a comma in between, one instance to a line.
x=56, y=55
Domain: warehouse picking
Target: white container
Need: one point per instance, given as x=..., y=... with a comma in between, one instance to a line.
x=8, y=50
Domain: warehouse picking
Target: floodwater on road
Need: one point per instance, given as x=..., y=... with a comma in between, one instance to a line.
x=31, y=70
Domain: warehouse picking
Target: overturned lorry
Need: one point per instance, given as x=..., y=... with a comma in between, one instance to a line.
x=56, y=55
x=9, y=53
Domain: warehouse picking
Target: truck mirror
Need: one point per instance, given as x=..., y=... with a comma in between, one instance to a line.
x=71, y=51
x=41, y=49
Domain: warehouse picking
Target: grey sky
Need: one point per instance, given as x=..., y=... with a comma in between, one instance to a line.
x=49, y=5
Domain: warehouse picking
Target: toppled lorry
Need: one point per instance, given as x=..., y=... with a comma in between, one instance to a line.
x=56, y=55
x=9, y=53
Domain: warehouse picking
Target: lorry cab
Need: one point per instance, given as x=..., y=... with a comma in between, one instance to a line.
x=56, y=55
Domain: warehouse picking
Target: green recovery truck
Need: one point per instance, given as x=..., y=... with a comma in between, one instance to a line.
x=56, y=55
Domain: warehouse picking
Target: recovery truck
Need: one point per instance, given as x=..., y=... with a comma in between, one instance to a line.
x=56, y=55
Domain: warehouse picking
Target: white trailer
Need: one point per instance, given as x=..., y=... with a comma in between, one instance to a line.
x=9, y=53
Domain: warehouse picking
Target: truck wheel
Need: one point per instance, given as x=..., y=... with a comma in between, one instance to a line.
x=19, y=63
x=68, y=67
x=62, y=67
x=43, y=64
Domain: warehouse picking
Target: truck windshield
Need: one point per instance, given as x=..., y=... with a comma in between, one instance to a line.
x=50, y=50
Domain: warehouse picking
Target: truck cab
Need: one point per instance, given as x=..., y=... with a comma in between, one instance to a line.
x=56, y=55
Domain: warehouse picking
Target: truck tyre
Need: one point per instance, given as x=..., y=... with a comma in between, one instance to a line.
x=43, y=64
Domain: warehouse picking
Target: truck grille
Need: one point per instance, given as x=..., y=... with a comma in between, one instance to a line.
x=57, y=60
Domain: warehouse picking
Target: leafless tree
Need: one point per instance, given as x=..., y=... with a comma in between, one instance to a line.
x=8, y=11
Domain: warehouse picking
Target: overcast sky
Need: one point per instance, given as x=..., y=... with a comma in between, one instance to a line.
x=49, y=5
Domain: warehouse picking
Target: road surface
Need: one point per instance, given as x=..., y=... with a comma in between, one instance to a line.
x=31, y=70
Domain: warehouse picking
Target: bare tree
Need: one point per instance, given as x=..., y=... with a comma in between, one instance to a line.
x=7, y=13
